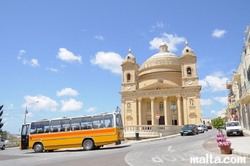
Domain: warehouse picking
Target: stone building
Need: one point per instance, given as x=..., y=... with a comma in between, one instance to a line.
x=165, y=86
x=239, y=87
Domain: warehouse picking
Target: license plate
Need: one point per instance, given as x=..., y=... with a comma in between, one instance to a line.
x=185, y=132
x=234, y=132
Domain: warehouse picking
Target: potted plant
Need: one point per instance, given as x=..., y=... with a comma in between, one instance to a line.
x=225, y=147
x=220, y=137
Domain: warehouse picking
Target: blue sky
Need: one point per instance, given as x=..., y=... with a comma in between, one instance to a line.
x=67, y=54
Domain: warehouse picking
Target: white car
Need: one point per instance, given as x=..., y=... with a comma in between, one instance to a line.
x=2, y=143
x=200, y=128
x=234, y=128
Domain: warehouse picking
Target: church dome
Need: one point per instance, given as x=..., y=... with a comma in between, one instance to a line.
x=162, y=61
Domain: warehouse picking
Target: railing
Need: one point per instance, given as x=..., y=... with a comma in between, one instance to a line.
x=147, y=131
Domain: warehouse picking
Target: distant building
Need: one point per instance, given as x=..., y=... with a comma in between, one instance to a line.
x=165, y=85
x=207, y=121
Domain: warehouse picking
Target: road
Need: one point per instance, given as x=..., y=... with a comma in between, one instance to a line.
x=172, y=151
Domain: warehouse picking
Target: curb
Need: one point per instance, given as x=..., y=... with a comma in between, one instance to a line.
x=149, y=140
x=240, y=153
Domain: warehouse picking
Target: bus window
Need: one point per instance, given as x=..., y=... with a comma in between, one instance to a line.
x=119, y=120
x=108, y=120
x=86, y=123
x=55, y=125
x=65, y=125
x=39, y=127
x=98, y=121
x=75, y=123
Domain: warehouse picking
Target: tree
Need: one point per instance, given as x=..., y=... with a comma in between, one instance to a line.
x=1, y=113
x=218, y=123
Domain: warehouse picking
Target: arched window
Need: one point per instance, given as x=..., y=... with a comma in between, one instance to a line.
x=128, y=77
x=189, y=70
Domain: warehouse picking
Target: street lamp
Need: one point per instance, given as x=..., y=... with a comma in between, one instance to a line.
x=118, y=110
x=173, y=108
x=26, y=111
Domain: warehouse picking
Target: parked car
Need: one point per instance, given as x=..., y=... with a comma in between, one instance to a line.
x=200, y=128
x=209, y=127
x=234, y=128
x=205, y=127
x=2, y=143
x=189, y=129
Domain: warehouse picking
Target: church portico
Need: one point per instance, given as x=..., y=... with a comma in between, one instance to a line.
x=165, y=85
x=148, y=107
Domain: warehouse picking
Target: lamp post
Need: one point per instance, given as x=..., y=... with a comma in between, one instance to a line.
x=26, y=111
x=173, y=108
x=118, y=110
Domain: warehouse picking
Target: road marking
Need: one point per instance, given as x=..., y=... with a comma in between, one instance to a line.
x=157, y=159
x=169, y=149
x=168, y=157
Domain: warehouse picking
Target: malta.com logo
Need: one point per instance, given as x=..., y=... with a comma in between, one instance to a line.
x=209, y=159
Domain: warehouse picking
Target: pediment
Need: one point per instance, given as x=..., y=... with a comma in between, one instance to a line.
x=157, y=86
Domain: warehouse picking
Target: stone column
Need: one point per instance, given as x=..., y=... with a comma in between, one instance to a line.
x=165, y=110
x=123, y=112
x=152, y=111
x=185, y=115
x=140, y=113
x=179, y=110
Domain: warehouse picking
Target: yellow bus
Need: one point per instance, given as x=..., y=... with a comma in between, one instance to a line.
x=89, y=132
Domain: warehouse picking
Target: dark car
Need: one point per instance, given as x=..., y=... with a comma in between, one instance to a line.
x=189, y=129
x=209, y=127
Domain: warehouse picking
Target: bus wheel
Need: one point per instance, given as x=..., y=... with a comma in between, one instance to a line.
x=88, y=144
x=38, y=147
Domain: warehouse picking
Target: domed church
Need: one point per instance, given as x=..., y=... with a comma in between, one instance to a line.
x=164, y=90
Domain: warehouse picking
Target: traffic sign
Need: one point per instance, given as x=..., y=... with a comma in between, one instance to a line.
x=157, y=116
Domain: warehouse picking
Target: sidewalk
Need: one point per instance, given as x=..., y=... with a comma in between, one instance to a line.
x=241, y=144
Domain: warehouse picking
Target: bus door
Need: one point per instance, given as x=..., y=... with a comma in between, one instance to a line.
x=119, y=125
x=24, y=137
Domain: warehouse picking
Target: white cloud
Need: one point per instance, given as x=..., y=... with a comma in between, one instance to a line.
x=68, y=56
x=203, y=83
x=108, y=61
x=217, y=113
x=21, y=52
x=206, y=102
x=160, y=24
x=222, y=100
x=71, y=105
x=44, y=103
x=213, y=112
x=171, y=40
x=67, y=91
x=32, y=62
x=219, y=33
x=52, y=69
x=157, y=25
x=92, y=109
x=99, y=37
x=214, y=82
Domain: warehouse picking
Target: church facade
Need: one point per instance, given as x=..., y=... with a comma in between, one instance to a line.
x=164, y=90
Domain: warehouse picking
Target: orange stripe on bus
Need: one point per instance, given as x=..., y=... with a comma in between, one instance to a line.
x=71, y=133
